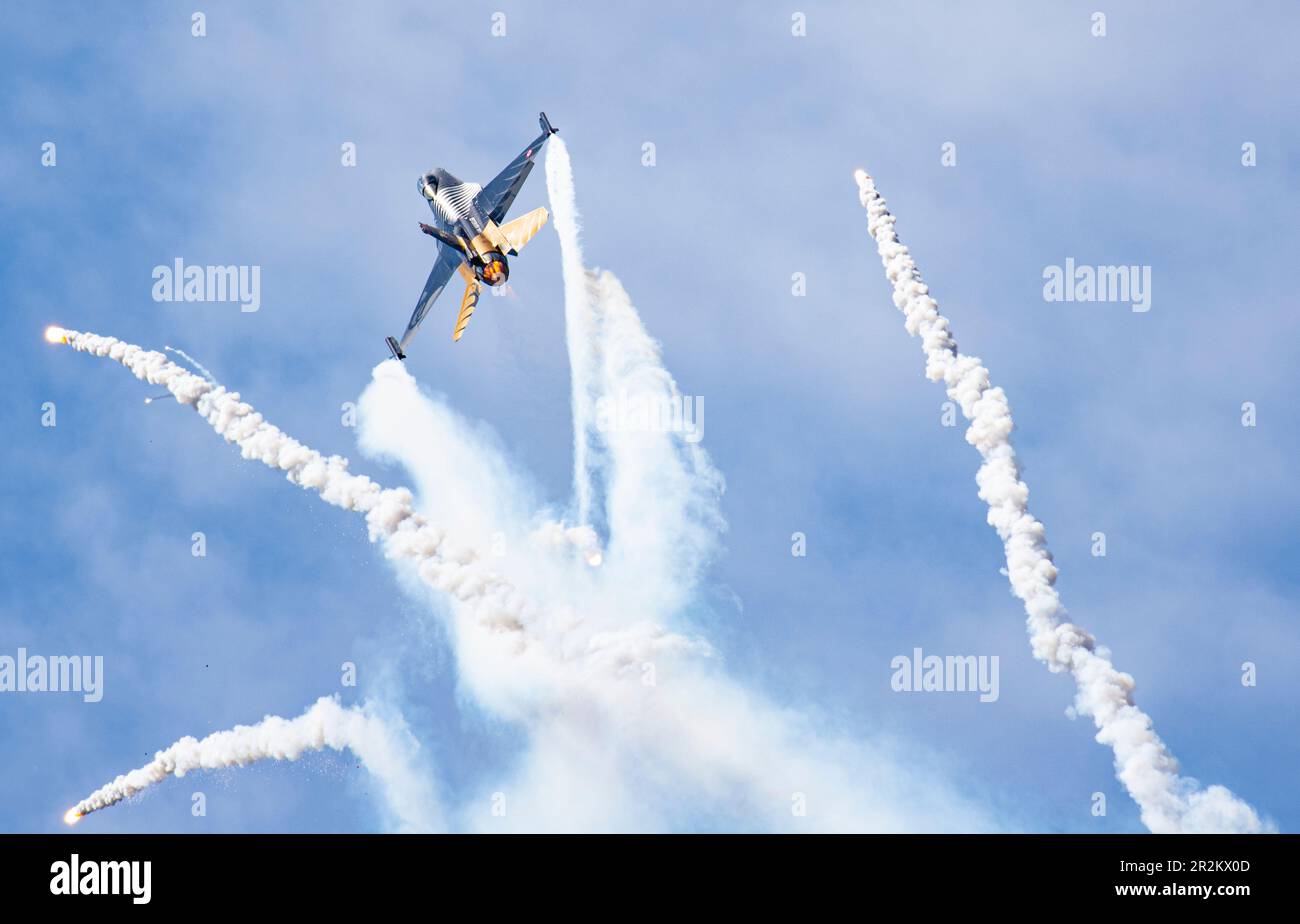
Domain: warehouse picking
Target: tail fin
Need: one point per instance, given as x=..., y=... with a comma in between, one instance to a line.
x=547, y=128
x=394, y=348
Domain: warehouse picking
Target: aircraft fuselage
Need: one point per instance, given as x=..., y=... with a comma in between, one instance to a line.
x=479, y=239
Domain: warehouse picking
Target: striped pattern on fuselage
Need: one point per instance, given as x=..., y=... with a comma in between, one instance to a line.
x=456, y=202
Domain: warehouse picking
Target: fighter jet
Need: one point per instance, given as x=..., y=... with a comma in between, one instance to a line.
x=471, y=238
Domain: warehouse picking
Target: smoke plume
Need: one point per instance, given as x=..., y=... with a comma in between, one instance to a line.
x=665, y=739
x=579, y=324
x=653, y=491
x=326, y=724
x=203, y=370
x=459, y=570
x=1170, y=803
x=584, y=635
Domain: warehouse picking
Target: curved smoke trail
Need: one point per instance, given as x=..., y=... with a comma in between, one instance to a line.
x=656, y=743
x=660, y=743
x=1170, y=803
x=653, y=490
x=627, y=725
x=203, y=370
x=555, y=640
x=661, y=489
x=462, y=572
x=325, y=725
x=625, y=729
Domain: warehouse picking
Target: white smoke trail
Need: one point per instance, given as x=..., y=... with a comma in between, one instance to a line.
x=466, y=483
x=662, y=489
x=553, y=645
x=456, y=569
x=628, y=726
x=580, y=323
x=653, y=490
x=1169, y=803
x=595, y=676
x=193, y=362
x=661, y=742
x=326, y=724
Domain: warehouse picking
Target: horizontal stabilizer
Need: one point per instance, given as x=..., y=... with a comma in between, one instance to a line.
x=468, y=302
x=520, y=231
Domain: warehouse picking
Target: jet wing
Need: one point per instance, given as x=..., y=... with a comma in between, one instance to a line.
x=448, y=261
x=496, y=197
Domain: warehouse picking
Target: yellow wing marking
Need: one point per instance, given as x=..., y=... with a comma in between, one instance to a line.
x=468, y=302
x=521, y=230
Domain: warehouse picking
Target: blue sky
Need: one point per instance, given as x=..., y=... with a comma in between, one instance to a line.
x=225, y=149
